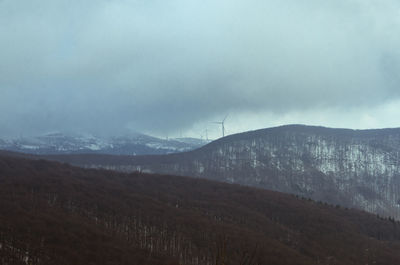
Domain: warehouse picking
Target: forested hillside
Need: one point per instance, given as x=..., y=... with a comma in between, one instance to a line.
x=353, y=168
x=52, y=213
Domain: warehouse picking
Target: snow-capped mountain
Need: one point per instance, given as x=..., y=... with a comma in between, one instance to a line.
x=135, y=144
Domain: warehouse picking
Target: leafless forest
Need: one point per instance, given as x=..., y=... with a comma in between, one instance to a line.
x=53, y=213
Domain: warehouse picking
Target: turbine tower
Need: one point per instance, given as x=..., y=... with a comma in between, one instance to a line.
x=205, y=131
x=222, y=125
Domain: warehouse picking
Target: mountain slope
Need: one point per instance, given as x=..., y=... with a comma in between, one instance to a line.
x=56, y=214
x=354, y=168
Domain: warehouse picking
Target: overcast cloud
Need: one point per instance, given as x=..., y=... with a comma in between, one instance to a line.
x=167, y=66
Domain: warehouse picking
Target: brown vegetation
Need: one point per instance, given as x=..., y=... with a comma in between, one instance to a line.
x=52, y=213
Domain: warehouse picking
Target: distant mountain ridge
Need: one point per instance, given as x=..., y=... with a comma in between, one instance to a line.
x=354, y=168
x=134, y=144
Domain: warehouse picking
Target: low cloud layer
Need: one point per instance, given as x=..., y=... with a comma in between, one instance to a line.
x=168, y=66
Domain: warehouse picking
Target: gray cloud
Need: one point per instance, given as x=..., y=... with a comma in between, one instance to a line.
x=163, y=66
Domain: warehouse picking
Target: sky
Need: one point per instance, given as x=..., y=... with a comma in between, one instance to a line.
x=172, y=67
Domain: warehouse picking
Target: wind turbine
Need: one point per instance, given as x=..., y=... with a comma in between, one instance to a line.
x=222, y=125
x=205, y=131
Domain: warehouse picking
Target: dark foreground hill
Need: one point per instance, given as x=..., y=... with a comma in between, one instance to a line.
x=353, y=168
x=52, y=213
